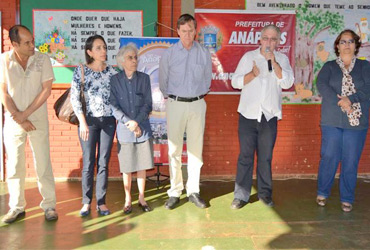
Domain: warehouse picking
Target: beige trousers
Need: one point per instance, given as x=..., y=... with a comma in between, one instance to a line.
x=15, y=141
x=186, y=117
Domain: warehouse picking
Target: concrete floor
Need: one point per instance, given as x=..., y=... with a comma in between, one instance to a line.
x=296, y=222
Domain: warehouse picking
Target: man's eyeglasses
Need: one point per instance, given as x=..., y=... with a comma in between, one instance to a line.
x=273, y=39
x=349, y=42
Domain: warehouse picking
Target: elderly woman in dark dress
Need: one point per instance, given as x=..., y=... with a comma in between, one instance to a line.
x=131, y=101
x=344, y=85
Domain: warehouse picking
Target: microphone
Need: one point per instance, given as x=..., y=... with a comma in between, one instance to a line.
x=269, y=61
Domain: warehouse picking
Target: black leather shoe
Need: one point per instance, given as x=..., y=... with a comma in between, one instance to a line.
x=237, y=203
x=145, y=208
x=127, y=209
x=171, y=202
x=197, y=200
x=267, y=201
x=102, y=212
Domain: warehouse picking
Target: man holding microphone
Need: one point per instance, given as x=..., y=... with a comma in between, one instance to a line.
x=261, y=75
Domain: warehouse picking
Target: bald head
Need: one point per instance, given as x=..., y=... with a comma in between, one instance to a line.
x=14, y=32
x=22, y=41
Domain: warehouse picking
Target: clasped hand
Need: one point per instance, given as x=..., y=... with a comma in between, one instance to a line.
x=133, y=126
x=19, y=117
x=345, y=103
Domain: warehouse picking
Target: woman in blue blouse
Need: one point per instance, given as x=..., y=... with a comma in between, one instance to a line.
x=97, y=126
x=131, y=101
x=344, y=85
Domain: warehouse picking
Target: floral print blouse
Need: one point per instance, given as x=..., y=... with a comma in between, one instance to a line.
x=96, y=90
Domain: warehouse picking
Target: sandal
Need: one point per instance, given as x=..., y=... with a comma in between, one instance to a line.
x=321, y=201
x=127, y=209
x=346, y=207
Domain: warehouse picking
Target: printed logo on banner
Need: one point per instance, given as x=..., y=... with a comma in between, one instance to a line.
x=211, y=37
x=150, y=54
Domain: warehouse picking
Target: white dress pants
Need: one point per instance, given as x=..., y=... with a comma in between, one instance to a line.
x=15, y=141
x=186, y=117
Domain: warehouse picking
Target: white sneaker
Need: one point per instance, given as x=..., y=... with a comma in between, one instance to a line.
x=13, y=215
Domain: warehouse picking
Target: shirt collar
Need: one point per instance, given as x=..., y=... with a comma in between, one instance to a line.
x=133, y=75
x=12, y=57
x=182, y=46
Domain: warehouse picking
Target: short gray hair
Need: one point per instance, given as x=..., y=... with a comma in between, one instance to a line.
x=272, y=27
x=120, y=57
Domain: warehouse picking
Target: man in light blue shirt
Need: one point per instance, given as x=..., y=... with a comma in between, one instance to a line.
x=184, y=78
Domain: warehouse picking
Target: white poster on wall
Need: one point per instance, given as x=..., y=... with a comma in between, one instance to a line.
x=62, y=33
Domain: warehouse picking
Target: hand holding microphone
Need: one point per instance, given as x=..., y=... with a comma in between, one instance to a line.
x=269, y=63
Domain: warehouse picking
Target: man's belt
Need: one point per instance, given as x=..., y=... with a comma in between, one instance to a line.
x=186, y=99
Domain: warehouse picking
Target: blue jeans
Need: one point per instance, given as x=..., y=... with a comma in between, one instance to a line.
x=101, y=134
x=345, y=146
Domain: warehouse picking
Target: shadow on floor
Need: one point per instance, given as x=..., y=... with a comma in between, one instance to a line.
x=294, y=223
x=314, y=227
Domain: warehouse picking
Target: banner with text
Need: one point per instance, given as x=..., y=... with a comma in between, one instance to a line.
x=229, y=34
x=319, y=22
x=62, y=34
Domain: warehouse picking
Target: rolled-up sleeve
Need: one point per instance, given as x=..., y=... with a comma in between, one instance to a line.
x=76, y=91
x=243, y=68
x=287, y=72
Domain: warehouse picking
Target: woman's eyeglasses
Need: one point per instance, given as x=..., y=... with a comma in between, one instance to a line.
x=349, y=42
x=130, y=58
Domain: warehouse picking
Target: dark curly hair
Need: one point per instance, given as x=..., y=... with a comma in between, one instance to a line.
x=354, y=36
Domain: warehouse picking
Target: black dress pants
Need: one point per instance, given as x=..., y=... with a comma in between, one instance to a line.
x=254, y=137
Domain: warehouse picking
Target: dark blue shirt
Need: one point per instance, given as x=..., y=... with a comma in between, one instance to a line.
x=131, y=99
x=329, y=84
